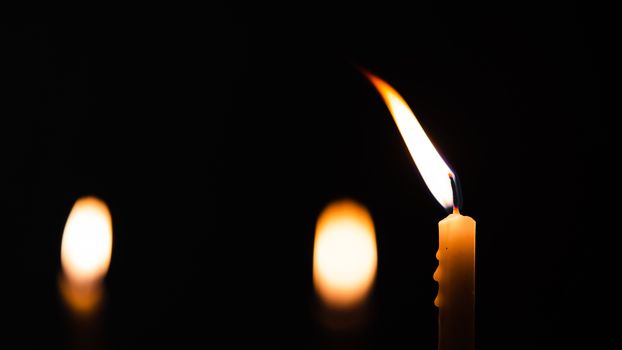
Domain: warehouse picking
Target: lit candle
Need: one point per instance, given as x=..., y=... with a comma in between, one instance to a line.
x=456, y=255
x=344, y=263
x=85, y=257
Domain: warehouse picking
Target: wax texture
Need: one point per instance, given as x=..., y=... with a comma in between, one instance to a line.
x=456, y=283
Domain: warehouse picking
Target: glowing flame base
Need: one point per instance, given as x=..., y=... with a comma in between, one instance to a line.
x=83, y=301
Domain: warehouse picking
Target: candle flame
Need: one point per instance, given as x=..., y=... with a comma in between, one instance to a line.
x=344, y=256
x=431, y=165
x=87, y=243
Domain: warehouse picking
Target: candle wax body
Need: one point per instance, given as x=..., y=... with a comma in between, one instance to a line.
x=456, y=283
x=84, y=312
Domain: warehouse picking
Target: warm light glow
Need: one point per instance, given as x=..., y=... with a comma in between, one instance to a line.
x=344, y=256
x=431, y=165
x=87, y=242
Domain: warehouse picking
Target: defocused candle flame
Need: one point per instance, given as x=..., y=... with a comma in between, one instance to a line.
x=85, y=253
x=431, y=165
x=344, y=256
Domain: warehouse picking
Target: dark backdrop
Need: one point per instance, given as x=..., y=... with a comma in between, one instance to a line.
x=217, y=138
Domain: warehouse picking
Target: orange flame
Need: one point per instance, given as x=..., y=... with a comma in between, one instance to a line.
x=344, y=257
x=431, y=165
x=86, y=249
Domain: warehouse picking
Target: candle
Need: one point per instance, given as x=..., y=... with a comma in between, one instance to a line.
x=456, y=282
x=85, y=257
x=456, y=255
x=345, y=260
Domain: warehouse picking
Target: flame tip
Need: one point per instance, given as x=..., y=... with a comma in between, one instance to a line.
x=363, y=70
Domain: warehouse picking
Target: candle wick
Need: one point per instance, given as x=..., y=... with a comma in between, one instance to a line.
x=457, y=192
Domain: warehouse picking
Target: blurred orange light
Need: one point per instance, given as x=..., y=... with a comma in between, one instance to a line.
x=344, y=257
x=86, y=249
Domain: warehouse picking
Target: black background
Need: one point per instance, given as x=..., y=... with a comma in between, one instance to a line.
x=217, y=139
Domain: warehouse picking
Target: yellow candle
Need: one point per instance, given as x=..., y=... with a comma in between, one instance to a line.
x=456, y=282
x=456, y=254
